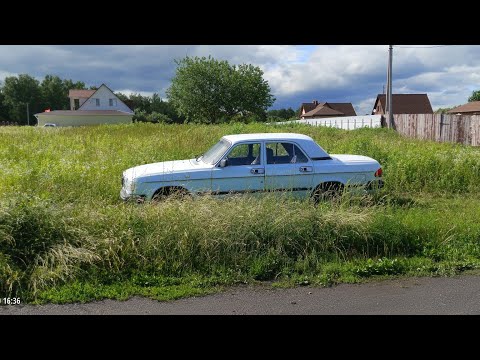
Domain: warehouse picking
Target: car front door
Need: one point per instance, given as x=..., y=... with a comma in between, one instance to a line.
x=244, y=170
x=287, y=168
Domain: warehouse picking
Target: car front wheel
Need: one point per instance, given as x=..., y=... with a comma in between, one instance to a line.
x=171, y=192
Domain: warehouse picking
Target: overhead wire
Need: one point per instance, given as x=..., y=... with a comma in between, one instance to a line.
x=420, y=47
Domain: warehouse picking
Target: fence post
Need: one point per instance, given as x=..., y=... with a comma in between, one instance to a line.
x=441, y=126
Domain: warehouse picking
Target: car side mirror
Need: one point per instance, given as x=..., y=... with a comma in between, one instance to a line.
x=223, y=163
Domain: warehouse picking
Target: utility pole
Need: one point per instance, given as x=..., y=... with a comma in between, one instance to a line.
x=389, y=107
x=28, y=116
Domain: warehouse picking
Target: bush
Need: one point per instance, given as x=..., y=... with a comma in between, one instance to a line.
x=155, y=117
x=140, y=116
x=382, y=266
x=275, y=119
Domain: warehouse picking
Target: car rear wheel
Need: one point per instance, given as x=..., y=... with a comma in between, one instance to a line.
x=327, y=192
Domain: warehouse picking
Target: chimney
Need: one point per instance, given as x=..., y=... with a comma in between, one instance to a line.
x=315, y=102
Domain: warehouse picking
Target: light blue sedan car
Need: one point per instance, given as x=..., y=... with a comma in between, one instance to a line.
x=254, y=163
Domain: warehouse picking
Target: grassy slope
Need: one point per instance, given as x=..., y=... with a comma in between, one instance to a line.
x=66, y=236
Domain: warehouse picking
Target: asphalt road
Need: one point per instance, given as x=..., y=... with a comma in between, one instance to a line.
x=455, y=295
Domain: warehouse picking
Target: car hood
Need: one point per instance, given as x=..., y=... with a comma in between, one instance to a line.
x=166, y=167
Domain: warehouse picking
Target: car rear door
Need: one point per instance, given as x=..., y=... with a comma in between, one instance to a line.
x=287, y=168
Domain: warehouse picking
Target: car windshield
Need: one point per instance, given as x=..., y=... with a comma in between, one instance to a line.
x=214, y=154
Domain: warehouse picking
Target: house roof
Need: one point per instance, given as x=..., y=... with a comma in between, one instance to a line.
x=472, y=106
x=327, y=109
x=84, y=112
x=323, y=110
x=73, y=93
x=346, y=108
x=94, y=91
x=407, y=103
x=308, y=106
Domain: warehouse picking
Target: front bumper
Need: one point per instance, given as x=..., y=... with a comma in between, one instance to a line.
x=124, y=195
x=131, y=197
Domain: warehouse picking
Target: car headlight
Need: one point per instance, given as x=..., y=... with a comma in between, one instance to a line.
x=128, y=184
x=131, y=185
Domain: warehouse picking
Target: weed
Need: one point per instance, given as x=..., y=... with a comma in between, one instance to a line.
x=66, y=236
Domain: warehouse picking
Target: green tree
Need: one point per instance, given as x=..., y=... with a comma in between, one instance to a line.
x=125, y=99
x=145, y=106
x=283, y=113
x=54, y=93
x=136, y=102
x=4, y=108
x=211, y=91
x=443, y=110
x=166, y=108
x=69, y=84
x=20, y=91
x=475, y=96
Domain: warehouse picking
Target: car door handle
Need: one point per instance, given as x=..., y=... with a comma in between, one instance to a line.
x=306, y=169
x=257, y=171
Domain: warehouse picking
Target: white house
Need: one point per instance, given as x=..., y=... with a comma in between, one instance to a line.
x=78, y=97
x=89, y=107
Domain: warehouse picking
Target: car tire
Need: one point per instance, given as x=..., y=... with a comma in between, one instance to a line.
x=327, y=192
x=170, y=193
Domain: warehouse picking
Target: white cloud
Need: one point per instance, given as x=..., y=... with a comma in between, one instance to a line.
x=351, y=73
x=4, y=74
x=328, y=67
x=365, y=106
x=129, y=92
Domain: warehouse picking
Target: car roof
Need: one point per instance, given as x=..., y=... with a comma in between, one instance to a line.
x=305, y=142
x=266, y=136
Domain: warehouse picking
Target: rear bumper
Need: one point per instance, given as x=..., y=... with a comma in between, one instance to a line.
x=375, y=185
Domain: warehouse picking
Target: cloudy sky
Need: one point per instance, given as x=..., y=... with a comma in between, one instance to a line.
x=296, y=73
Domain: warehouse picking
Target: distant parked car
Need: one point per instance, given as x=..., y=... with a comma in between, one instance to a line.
x=50, y=125
x=252, y=163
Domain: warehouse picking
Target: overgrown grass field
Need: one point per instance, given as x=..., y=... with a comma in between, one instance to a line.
x=66, y=236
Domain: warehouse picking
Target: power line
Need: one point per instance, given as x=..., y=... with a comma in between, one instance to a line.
x=421, y=47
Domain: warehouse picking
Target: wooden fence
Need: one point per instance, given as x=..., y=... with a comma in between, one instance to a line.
x=464, y=129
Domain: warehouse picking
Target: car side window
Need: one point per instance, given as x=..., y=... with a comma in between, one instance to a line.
x=244, y=154
x=284, y=153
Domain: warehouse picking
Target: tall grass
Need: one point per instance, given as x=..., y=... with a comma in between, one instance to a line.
x=61, y=220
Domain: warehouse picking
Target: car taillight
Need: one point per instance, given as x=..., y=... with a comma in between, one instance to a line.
x=379, y=173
